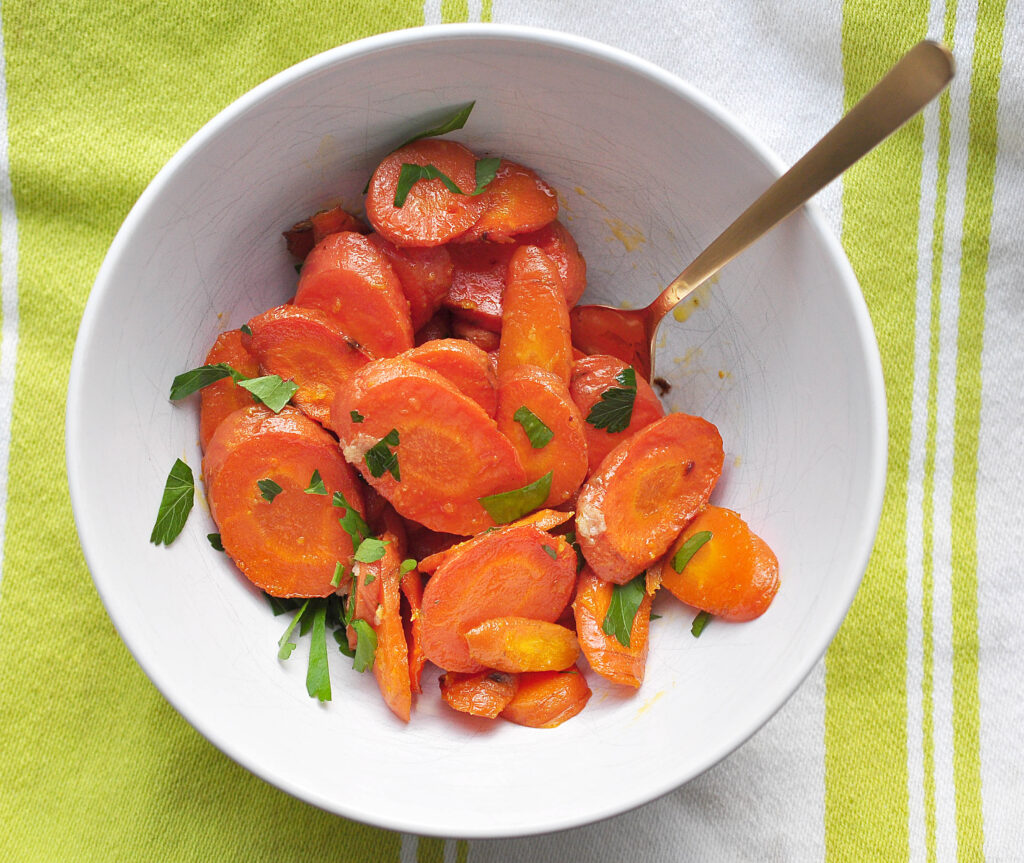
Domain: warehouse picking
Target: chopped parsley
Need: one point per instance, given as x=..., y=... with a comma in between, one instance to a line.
x=356, y=416
x=269, y=489
x=688, y=549
x=507, y=506
x=195, y=379
x=339, y=571
x=366, y=646
x=215, y=541
x=351, y=522
x=626, y=599
x=318, y=677
x=455, y=122
x=370, y=550
x=316, y=484
x=175, y=504
x=246, y=329
x=537, y=432
x=550, y=552
x=411, y=174
x=699, y=622
x=274, y=392
x=615, y=409
x=380, y=459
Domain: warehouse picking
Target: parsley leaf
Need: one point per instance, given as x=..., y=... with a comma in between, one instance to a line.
x=341, y=637
x=214, y=539
x=366, y=646
x=175, y=504
x=408, y=565
x=269, y=489
x=615, y=409
x=455, y=122
x=356, y=416
x=410, y=174
x=688, y=549
x=318, y=678
x=339, y=571
x=246, y=329
x=699, y=622
x=351, y=522
x=285, y=647
x=195, y=379
x=581, y=561
x=316, y=484
x=507, y=506
x=370, y=550
x=626, y=599
x=380, y=459
x=270, y=390
x=279, y=605
x=550, y=552
x=537, y=432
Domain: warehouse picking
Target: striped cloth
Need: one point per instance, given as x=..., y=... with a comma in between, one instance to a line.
x=904, y=744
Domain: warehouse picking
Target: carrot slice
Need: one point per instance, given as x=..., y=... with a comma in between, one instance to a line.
x=479, y=274
x=545, y=399
x=224, y=397
x=299, y=239
x=431, y=215
x=556, y=242
x=592, y=376
x=645, y=492
x=425, y=275
x=333, y=221
x=438, y=327
x=516, y=201
x=464, y=365
x=733, y=575
x=545, y=699
x=535, y=320
x=306, y=346
x=507, y=573
x=485, y=693
x=425, y=543
x=599, y=331
x=411, y=583
x=517, y=644
x=605, y=653
x=287, y=545
x=351, y=280
x=449, y=452
x=483, y=338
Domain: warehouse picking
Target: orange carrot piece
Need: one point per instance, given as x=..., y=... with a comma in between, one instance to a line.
x=425, y=543
x=545, y=396
x=516, y=201
x=224, y=397
x=545, y=699
x=483, y=338
x=308, y=347
x=485, y=693
x=605, y=653
x=558, y=244
x=645, y=492
x=507, y=573
x=517, y=644
x=464, y=365
x=535, y=320
x=333, y=221
x=431, y=215
x=287, y=546
x=449, y=452
x=411, y=583
x=594, y=375
x=299, y=239
x=438, y=327
x=598, y=332
x=424, y=273
x=479, y=275
x=734, y=575
x=351, y=280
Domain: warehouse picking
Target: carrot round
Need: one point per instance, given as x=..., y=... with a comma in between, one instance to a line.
x=508, y=573
x=605, y=653
x=535, y=320
x=486, y=340
x=438, y=327
x=411, y=583
x=290, y=544
x=448, y=454
x=333, y=221
x=556, y=242
x=431, y=214
x=545, y=699
x=515, y=201
x=484, y=693
x=306, y=346
x=529, y=395
x=479, y=275
x=517, y=644
x=224, y=397
x=464, y=365
x=733, y=575
x=424, y=273
x=350, y=279
x=592, y=376
x=644, y=493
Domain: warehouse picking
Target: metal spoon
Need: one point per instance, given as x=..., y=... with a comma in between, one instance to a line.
x=912, y=83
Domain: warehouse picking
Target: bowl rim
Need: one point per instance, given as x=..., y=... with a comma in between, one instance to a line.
x=75, y=453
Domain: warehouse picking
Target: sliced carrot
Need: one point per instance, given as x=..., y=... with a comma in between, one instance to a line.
x=605, y=653
x=299, y=239
x=431, y=214
x=516, y=201
x=425, y=543
x=479, y=274
x=556, y=242
x=333, y=221
x=546, y=399
x=224, y=397
x=733, y=575
x=545, y=699
x=308, y=347
x=484, y=693
x=595, y=375
x=507, y=573
x=449, y=452
x=351, y=280
x=412, y=593
x=424, y=273
x=517, y=644
x=535, y=320
x=464, y=365
x=598, y=331
x=438, y=327
x=645, y=492
x=288, y=545
x=483, y=338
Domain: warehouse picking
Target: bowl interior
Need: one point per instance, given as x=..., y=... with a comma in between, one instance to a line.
x=778, y=353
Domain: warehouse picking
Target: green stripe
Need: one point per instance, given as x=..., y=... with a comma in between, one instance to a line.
x=485, y=13
x=462, y=848
x=865, y=700
x=454, y=11
x=429, y=850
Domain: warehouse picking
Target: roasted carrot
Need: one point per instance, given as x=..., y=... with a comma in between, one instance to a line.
x=545, y=699
x=424, y=273
x=484, y=339
x=351, y=280
x=536, y=413
x=517, y=644
x=431, y=214
x=306, y=346
x=605, y=653
x=224, y=397
x=484, y=693
x=646, y=490
x=479, y=275
x=437, y=450
x=595, y=375
x=556, y=242
x=535, y=320
x=257, y=469
x=733, y=574
x=508, y=573
x=334, y=220
x=412, y=604
x=464, y=365
x=299, y=239
x=516, y=201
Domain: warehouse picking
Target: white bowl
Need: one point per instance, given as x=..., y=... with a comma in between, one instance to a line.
x=780, y=355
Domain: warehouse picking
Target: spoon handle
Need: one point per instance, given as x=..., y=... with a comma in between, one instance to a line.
x=912, y=83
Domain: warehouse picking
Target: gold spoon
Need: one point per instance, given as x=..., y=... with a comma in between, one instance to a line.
x=912, y=83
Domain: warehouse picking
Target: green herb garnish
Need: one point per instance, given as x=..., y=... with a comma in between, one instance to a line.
x=408, y=565
x=215, y=541
x=246, y=329
x=370, y=550
x=581, y=561
x=284, y=644
x=537, y=432
x=688, y=549
x=351, y=522
x=341, y=637
x=626, y=599
x=699, y=622
x=316, y=484
x=356, y=416
x=366, y=646
x=175, y=504
x=507, y=506
x=195, y=379
x=318, y=678
x=339, y=571
x=271, y=390
x=615, y=409
x=411, y=174
x=380, y=459
x=550, y=552
x=269, y=489
x=455, y=122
